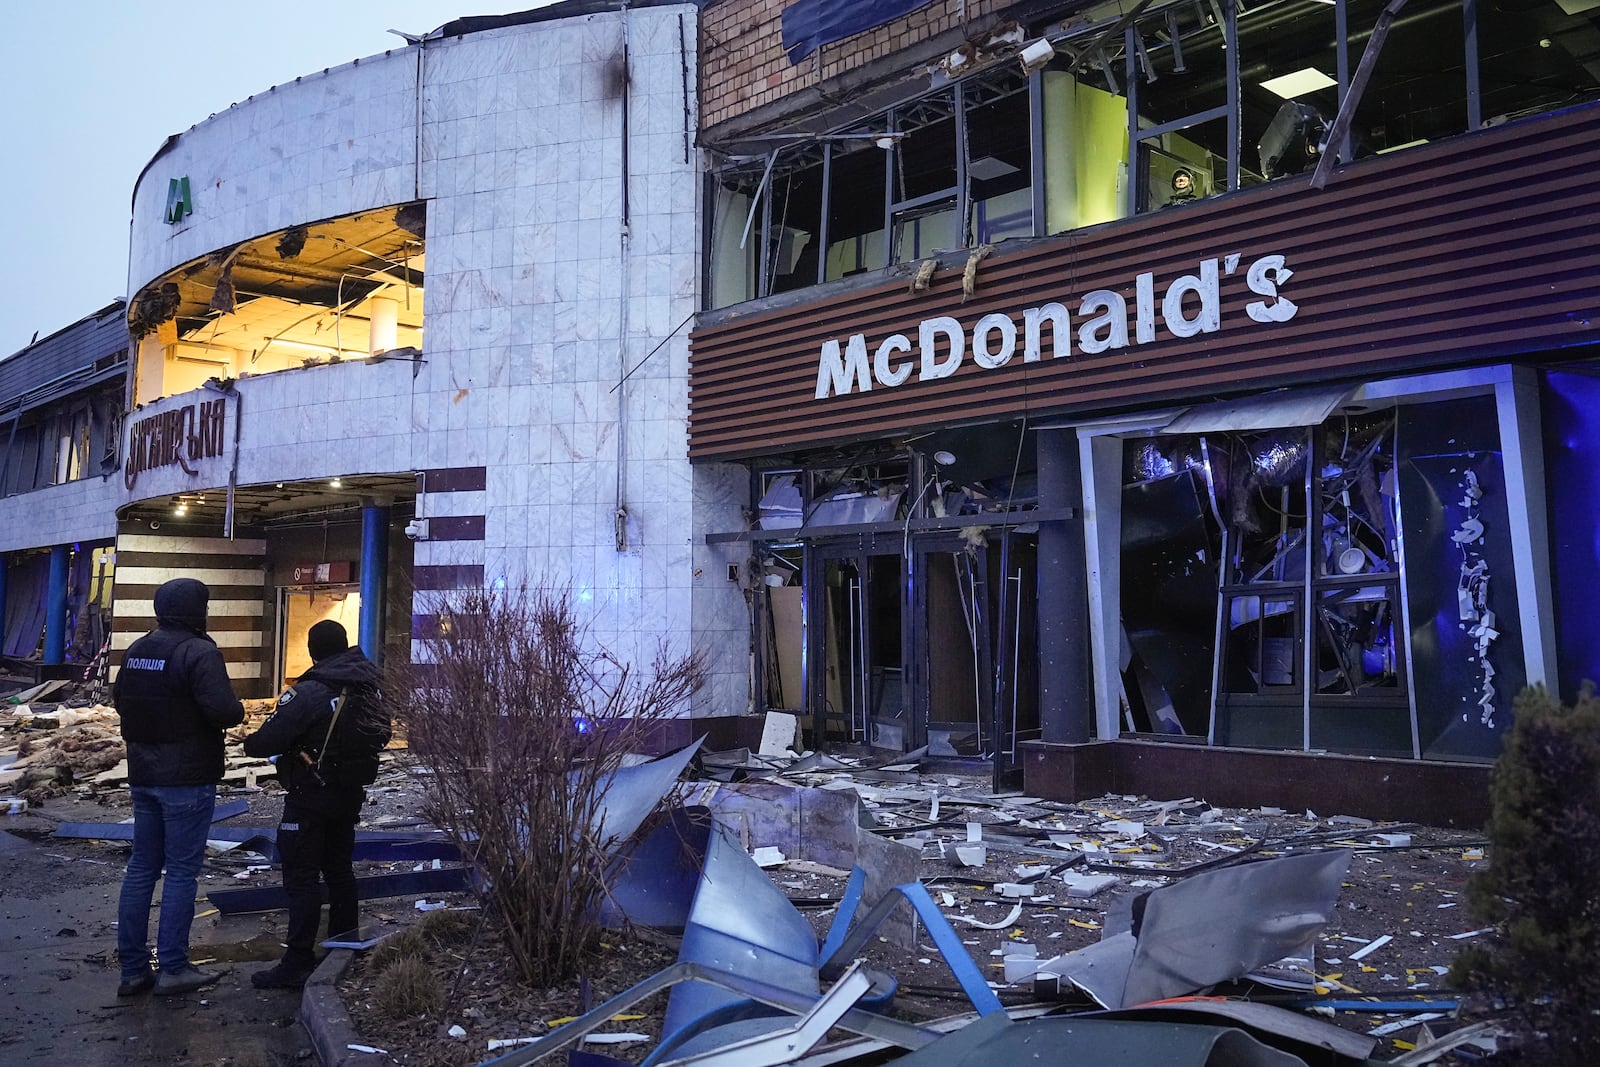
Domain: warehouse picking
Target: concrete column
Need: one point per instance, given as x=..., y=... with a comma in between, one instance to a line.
x=55, y=606
x=5, y=569
x=374, y=577
x=1066, y=697
x=383, y=325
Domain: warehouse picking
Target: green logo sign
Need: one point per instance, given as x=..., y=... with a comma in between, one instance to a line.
x=179, y=202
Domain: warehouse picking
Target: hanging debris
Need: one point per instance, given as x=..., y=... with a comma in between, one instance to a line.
x=292, y=242
x=152, y=307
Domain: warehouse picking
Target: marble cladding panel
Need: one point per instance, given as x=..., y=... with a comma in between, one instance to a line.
x=448, y=553
x=721, y=492
x=325, y=420
x=470, y=502
x=318, y=147
x=82, y=510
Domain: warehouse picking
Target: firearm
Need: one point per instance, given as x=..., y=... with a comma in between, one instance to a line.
x=313, y=772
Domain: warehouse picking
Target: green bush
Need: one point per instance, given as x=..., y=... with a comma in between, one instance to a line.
x=1541, y=890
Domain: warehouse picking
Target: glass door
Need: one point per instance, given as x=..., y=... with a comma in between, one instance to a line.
x=853, y=612
x=1014, y=580
x=952, y=687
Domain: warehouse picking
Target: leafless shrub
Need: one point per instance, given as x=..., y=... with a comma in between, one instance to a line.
x=519, y=720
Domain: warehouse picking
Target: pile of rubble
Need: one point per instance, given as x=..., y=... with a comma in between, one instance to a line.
x=53, y=741
x=819, y=893
x=45, y=748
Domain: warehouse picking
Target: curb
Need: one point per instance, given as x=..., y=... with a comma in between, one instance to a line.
x=323, y=1014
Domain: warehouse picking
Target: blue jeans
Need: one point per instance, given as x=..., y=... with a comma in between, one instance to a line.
x=169, y=830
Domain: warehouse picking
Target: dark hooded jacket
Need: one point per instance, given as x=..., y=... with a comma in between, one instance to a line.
x=300, y=724
x=173, y=695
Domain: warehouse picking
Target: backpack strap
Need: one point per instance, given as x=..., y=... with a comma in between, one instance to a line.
x=338, y=706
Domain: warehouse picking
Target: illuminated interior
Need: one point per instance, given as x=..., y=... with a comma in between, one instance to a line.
x=349, y=288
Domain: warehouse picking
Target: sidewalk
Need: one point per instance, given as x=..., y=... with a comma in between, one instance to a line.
x=58, y=971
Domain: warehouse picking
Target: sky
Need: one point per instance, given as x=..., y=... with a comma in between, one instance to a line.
x=89, y=89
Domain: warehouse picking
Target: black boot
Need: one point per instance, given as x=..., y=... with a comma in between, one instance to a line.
x=282, y=975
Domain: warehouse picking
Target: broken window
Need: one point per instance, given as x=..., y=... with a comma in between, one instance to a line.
x=344, y=289
x=954, y=167
x=1348, y=586
x=891, y=608
x=999, y=161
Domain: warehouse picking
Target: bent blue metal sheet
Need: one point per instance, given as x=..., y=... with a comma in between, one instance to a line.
x=378, y=845
x=810, y=24
x=945, y=939
x=372, y=887
x=632, y=793
x=743, y=924
x=653, y=883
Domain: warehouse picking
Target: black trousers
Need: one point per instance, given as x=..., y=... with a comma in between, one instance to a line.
x=315, y=843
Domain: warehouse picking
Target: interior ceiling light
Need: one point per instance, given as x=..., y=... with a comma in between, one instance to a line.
x=988, y=168
x=336, y=484
x=1298, y=83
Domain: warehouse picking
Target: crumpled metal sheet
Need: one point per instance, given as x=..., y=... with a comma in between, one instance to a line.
x=1319, y=1038
x=653, y=882
x=632, y=793
x=813, y=824
x=743, y=924
x=1210, y=928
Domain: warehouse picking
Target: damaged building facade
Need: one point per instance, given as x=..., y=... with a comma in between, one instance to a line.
x=60, y=416
x=1160, y=397
x=414, y=325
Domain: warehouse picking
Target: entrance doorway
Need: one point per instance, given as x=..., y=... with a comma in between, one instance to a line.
x=857, y=667
x=300, y=609
x=974, y=595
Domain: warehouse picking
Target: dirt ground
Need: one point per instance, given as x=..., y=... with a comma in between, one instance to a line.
x=1404, y=892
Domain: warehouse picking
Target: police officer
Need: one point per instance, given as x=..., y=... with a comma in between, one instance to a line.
x=318, y=831
x=174, y=698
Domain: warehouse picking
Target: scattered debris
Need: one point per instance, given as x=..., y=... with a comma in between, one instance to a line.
x=1124, y=898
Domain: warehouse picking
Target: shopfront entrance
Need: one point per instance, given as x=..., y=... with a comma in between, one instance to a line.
x=299, y=609
x=900, y=639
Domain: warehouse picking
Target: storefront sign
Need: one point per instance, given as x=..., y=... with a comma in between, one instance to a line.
x=177, y=437
x=334, y=573
x=1190, y=305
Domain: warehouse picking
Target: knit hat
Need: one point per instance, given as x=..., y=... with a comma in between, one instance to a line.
x=182, y=602
x=326, y=638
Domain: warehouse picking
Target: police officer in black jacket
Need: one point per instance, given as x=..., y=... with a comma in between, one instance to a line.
x=174, y=698
x=318, y=831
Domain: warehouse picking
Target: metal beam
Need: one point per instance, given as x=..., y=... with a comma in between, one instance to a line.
x=1358, y=85
x=892, y=1031
x=951, y=522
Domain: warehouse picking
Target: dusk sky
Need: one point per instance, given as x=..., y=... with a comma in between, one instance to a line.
x=91, y=88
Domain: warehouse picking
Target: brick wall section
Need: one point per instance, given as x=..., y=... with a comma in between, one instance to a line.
x=743, y=64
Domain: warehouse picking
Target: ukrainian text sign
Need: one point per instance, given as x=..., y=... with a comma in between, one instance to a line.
x=175, y=438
